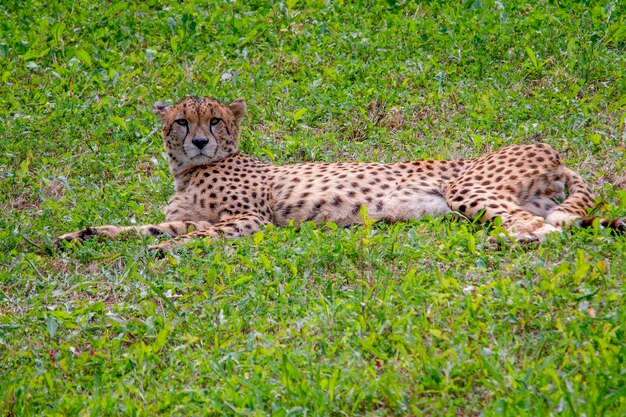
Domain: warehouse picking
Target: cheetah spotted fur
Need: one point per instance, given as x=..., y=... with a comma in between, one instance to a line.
x=219, y=191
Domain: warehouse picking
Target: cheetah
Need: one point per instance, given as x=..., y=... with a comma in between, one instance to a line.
x=221, y=192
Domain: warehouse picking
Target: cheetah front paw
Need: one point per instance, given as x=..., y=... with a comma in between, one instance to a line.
x=105, y=232
x=78, y=236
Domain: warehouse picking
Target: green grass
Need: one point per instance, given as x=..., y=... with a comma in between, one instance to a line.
x=422, y=318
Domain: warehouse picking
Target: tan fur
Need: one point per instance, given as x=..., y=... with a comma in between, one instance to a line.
x=222, y=192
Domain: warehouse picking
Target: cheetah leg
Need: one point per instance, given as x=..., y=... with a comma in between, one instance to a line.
x=573, y=211
x=575, y=206
x=231, y=227
x=175, y=228
x=522, y=225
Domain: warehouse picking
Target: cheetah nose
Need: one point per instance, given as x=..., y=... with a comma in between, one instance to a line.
x=200, y=142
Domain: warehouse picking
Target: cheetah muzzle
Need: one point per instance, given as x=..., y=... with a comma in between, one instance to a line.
x=220, y=192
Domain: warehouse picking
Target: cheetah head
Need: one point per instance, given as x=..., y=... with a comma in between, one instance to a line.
x=199, y=130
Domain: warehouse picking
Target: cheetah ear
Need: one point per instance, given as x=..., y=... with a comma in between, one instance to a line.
x=238, y=107
x=160, y=109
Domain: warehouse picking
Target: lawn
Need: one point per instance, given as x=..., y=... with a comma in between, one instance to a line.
x=423, y=318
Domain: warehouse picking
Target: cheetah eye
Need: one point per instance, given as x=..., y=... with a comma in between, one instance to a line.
x=214, y=121
x=181, y=122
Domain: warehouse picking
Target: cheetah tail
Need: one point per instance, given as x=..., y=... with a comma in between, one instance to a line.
x=617, y=225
